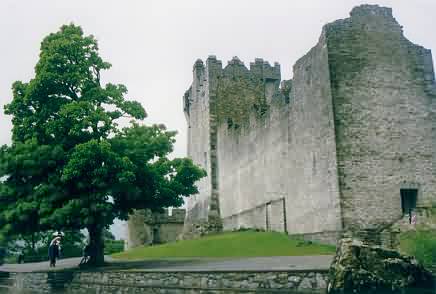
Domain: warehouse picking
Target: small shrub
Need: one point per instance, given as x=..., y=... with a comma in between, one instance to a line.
x=302, y=242
x=113, y=246
x=421, y=244
x=10, y=259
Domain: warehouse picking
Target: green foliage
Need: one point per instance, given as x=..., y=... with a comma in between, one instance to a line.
x=234, y=244
x=421, y=244
x=70, y=165
x=113, y=246
x=34, y=246
x=107, y=235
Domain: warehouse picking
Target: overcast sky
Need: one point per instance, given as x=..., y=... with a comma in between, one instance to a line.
x=153, y=44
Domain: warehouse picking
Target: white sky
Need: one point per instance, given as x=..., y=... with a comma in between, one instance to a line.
x=153, y=44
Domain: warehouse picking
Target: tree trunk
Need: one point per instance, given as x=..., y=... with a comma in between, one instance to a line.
x=96, y=245
x=33, y=243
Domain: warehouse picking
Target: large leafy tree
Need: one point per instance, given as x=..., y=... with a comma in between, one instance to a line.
x=70, y=165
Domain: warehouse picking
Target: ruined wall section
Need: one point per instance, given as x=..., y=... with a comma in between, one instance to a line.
x=137, y=233
x=146, y=227
x=165, y=227
x=313, y=204
x=252, y=146
x=383, y=116
x=197, y=112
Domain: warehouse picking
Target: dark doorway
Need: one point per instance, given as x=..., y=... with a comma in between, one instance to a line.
x=156, y=239
x=408, y=199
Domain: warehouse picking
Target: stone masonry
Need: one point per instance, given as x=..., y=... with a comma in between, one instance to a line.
x=345, y=145
x=147, y=228
x=120, y=282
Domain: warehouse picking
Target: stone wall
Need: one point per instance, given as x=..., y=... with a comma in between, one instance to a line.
x=276, y=155
x=336, y=144
x=197, y=112
x=170, y=282
x=270, y=216
x=383, y=116
x=39, y=282
x=137, y=233
x=147, y=228
x=252, y=146
x=313, y=204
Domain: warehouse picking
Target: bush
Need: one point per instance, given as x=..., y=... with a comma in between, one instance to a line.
x=41, y=253
x=10, y=259
x=113, y=246
x=421, y=244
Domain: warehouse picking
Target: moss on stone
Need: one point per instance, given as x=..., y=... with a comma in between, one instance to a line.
x=359, y=268
x=238, y=98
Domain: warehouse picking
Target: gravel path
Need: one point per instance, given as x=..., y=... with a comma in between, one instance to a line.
x=277, y=263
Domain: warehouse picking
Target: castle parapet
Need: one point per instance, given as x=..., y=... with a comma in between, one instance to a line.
x=177, y=217
x=264, y=70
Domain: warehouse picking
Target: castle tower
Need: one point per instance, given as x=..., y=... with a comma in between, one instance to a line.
x=383, y=92
x=348, y=144
x=200, y=115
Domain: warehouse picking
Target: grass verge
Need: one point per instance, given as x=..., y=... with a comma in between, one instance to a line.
x=231, y=244
x=421, y=244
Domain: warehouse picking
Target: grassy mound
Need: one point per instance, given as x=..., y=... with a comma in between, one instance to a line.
x=421, y=244
x=232, y=244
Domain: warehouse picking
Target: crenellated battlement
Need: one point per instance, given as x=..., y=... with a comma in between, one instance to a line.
x=177, y=216
x=370, y=18
x=264, y=70
x=371, y=10
x=233, y=87
x=235, y=67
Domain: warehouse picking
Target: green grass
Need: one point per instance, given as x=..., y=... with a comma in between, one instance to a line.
x=232, y=244
x=421, y=244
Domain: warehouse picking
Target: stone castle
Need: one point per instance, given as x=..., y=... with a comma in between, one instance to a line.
x=348, y=144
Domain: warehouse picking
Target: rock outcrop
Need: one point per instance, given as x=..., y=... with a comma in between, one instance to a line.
x=359, y=268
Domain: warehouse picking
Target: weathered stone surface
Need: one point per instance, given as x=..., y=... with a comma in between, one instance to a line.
x=170, y=282
x=201, y=228
x=384, y=116
x=329, y=151
x=359, y=268
x=146, y=228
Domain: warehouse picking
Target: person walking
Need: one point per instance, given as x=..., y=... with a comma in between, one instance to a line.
x=53, y=250
x=20, y=258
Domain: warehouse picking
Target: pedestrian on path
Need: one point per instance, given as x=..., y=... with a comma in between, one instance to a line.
x=53, y=251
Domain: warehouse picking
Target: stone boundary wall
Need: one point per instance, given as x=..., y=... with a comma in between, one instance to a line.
x=327, y=237
x=169, y=282
x=269, y=216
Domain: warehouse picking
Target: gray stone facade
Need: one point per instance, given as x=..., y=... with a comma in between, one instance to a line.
x=147, y=228
x=329, y=150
